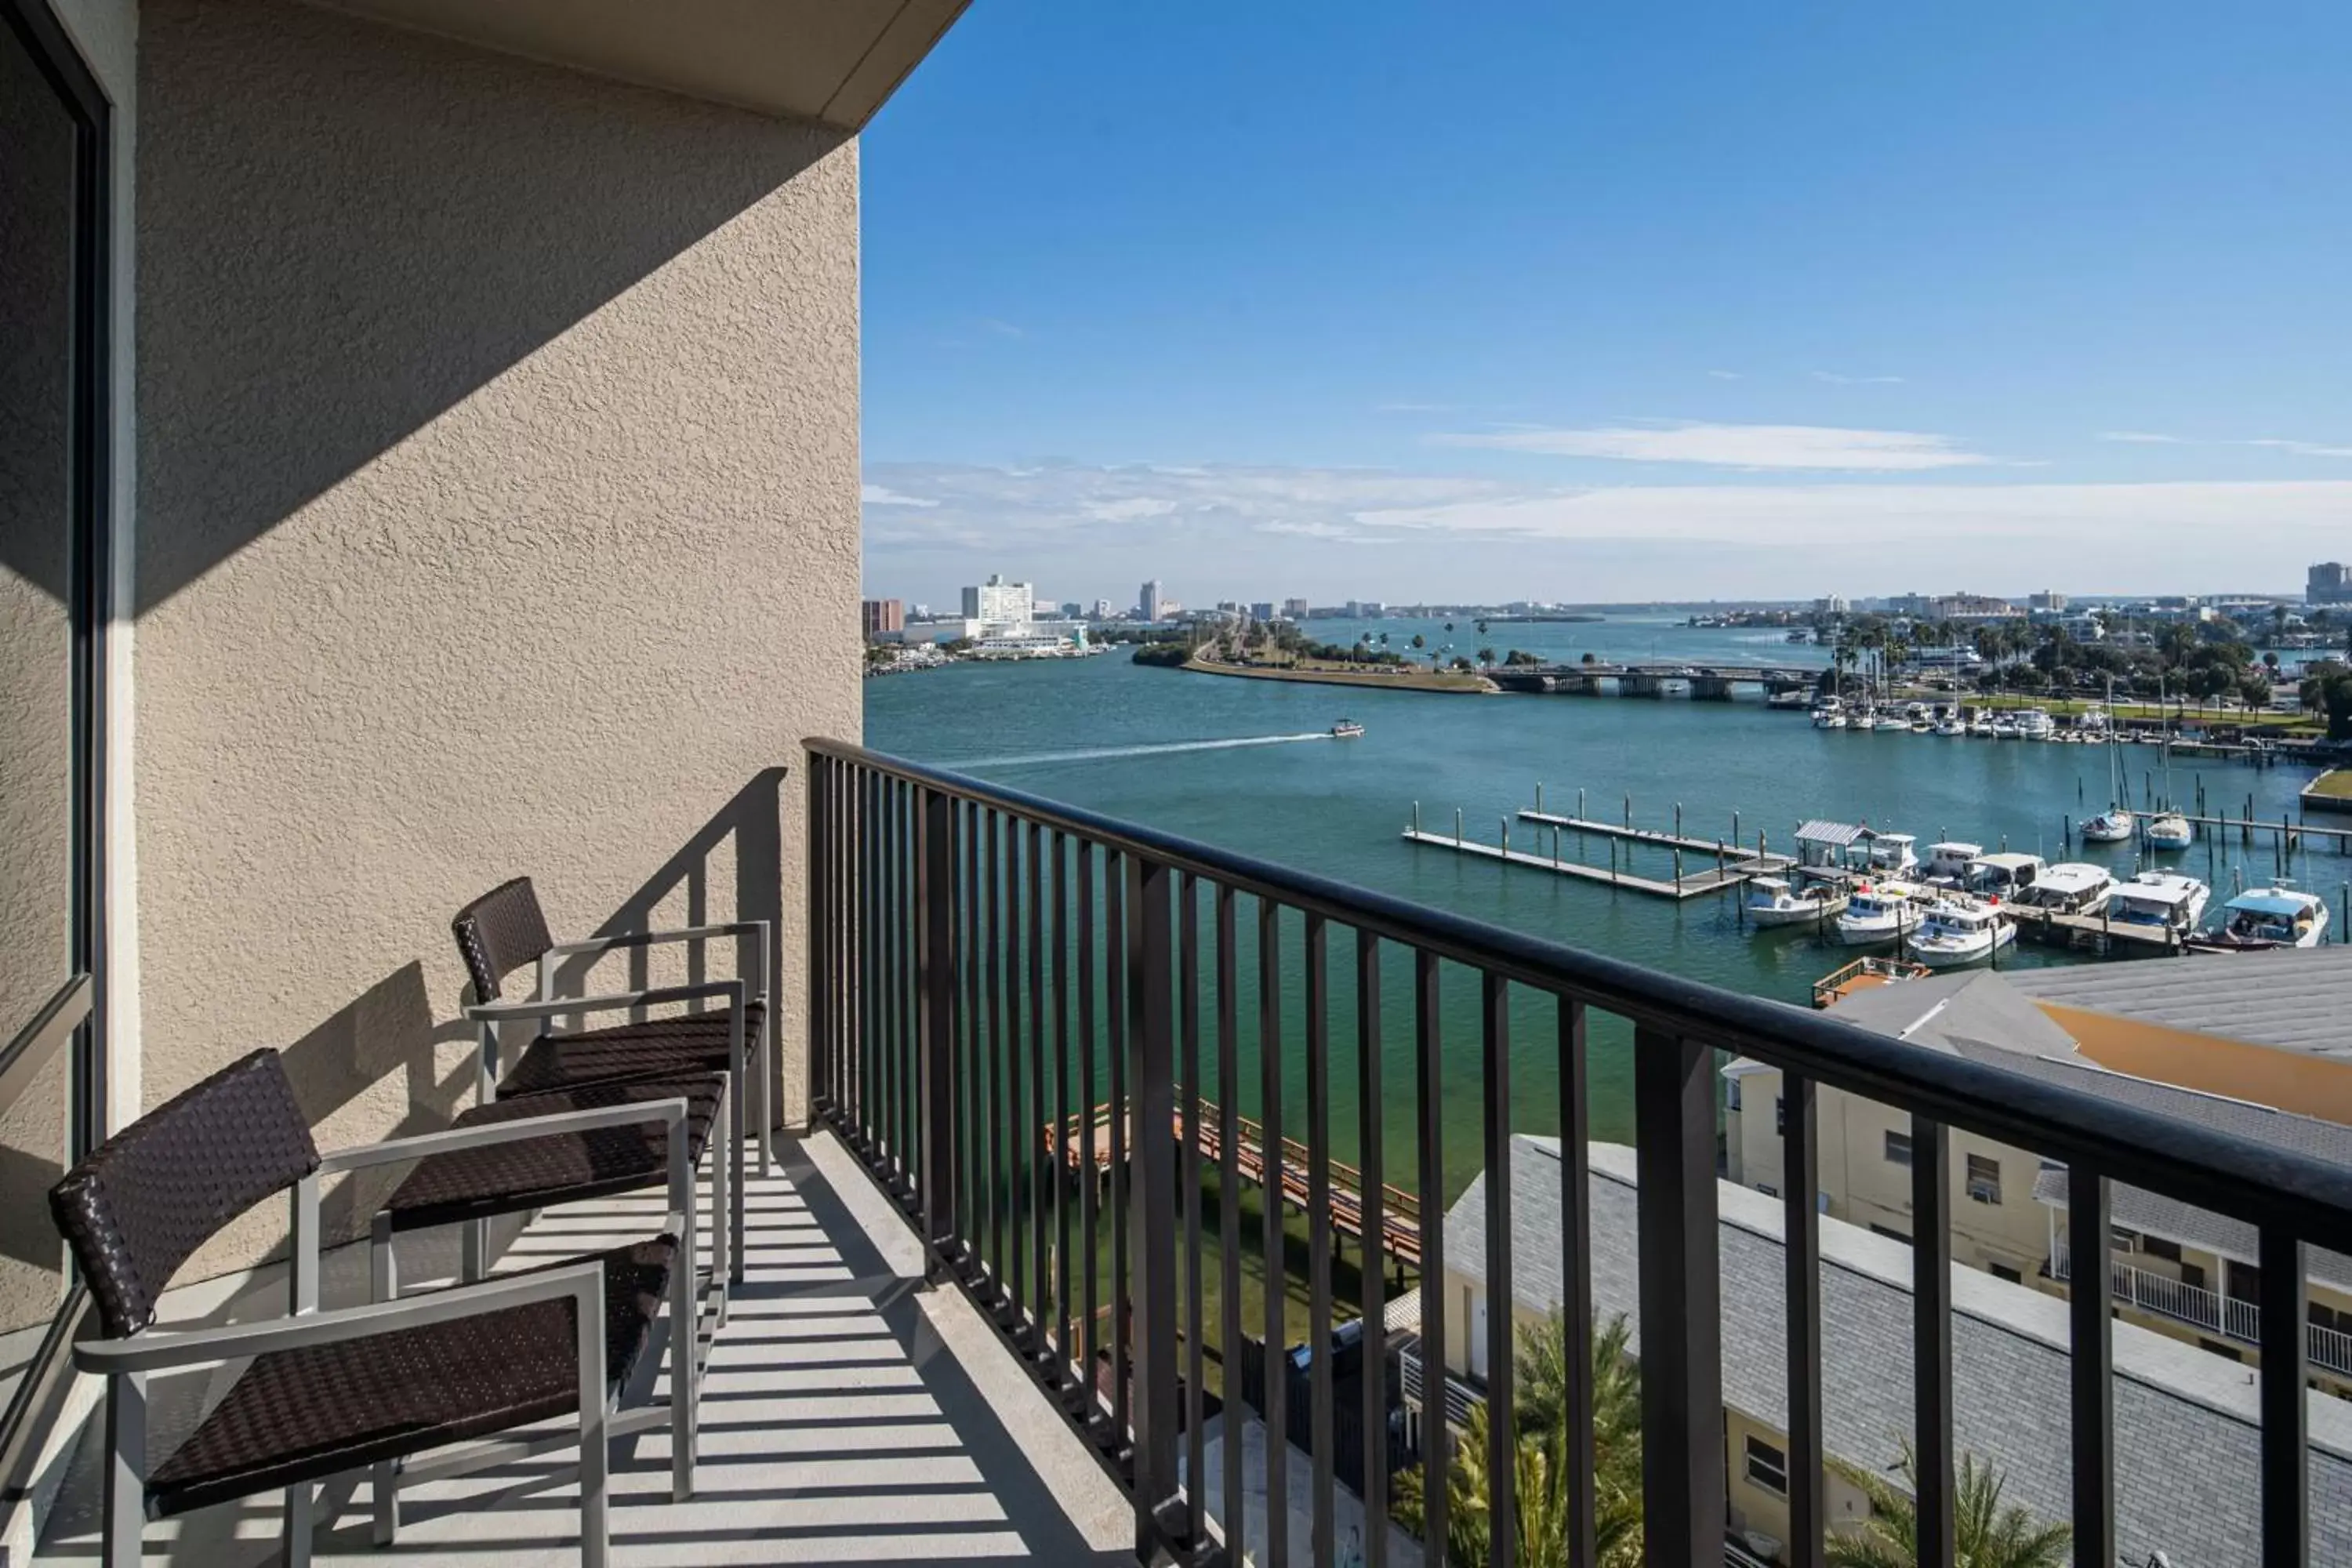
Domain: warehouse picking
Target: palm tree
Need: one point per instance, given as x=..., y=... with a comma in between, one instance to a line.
x=1987, y=1534
x=1540, y=1469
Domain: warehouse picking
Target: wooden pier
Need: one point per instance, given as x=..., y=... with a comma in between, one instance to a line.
x=2093, y=933
x=1713, y=880
x=1757, y=862
x=1400, y=1210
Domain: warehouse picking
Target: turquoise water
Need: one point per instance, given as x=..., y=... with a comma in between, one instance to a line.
x=1222, y=760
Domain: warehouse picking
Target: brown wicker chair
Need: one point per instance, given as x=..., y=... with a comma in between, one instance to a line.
x=328, y=1392
x=505, y=929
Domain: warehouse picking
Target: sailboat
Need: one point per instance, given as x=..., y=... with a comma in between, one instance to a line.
x=2168, y=829
x=2116, y=825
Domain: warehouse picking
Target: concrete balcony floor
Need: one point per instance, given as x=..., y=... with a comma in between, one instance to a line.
x=850, y=1416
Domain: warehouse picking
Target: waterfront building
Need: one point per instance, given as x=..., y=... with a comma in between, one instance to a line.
x=2047, y=601
x=1150, y=604
x=1262, y=610
x=1293, y=609
x=2329, y=583
x=999, y=602
x=1071, y=610
x=878, y=617
x=2183, y=1420
x=1102, y=610
x=1831, y=605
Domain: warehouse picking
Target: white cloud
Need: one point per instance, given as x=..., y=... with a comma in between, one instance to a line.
x=2299, y=448
x=1814, y=447
x=882, y=495
x=1726, y=375
x=2140, y=437
x=2271, y=443
x=1835, y=379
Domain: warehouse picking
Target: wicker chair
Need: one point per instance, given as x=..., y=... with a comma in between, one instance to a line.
x=505, y=929
x=325, y=1393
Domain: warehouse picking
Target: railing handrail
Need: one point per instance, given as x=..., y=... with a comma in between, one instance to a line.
x=2265, y=1185
x=2202, y=1307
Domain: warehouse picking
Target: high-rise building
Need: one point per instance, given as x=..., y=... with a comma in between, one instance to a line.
x=1831, y=605
x=2329, y=583
x=1073, y=611
x=1149, y=602
x=2048, y=601
x=879, y=615
x=1293, y=609
x=1103, y=611
x=1262, y=610
x=999, y=602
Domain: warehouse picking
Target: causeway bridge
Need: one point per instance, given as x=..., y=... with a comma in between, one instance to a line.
x=1705, y=682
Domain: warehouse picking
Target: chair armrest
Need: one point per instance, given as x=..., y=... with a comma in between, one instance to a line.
x=583, y=1282
x=737, y=991
x=423, y=1145
x=654, y=938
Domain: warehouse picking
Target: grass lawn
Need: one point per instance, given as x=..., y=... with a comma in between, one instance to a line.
x=2335, y=784
x=2068, y=706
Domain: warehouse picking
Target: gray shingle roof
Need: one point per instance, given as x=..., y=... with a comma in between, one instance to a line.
x=2295, y=999
x=2187, y=1423
x=1938, y=1010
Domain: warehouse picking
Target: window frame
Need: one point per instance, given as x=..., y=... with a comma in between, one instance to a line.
x=1977, y=1184
x=1760, y=1470
x=1893, y=1139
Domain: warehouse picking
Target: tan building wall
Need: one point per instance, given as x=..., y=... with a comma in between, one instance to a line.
x=498, y=513
x=2286, y=1080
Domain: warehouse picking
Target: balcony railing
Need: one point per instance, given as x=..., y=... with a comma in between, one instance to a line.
x=2226, y=1316
x=985, y=963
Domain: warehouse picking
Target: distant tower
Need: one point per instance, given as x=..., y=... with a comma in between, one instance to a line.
x=1148, y=600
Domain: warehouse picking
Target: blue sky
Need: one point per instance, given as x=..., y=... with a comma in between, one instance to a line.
x=1394, y=300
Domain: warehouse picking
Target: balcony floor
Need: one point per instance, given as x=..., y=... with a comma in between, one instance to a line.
x=850, y=1416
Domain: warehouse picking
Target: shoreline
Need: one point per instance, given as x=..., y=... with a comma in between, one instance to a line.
x=1419, y=680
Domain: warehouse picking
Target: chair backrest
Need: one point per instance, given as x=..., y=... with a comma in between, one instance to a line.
x=499, y=932
x=141, y=1204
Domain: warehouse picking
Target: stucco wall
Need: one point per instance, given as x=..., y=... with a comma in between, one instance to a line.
x=498, y=510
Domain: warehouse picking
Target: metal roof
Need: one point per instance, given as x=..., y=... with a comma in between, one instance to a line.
x=2187, y=1423
x=1839, y=834
x=2293, y=999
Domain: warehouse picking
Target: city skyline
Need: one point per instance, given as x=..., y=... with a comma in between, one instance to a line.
x=1703, y=303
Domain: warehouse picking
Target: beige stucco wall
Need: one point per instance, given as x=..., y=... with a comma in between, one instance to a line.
x=498, y=510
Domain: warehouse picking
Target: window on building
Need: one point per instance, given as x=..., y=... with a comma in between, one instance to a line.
x=1781, y=1115
x=2330, y=1318
x=1891, y=1233
x=2122, y=1240
x=2157, y=1247
x=1768, y=1190
x=1767, y=1467
x=1731, y=1094
x=2003, y=1271
x=1984, y=1179
x=1898, y=1148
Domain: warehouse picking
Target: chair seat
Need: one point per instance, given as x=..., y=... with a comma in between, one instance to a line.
x=565, y=1167
x=691, y=1042
x=305, y=1415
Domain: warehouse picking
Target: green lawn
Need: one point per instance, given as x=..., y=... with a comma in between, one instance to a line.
x=2335, y=784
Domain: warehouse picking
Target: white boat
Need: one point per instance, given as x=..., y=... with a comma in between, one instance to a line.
x=1981, y=727
x=2033, y=724
x=2003, y=727
x=1774, y=901
x=1951, y=725
x=2163, y=899
x=1346, y=730
x=2114, y=825
x=2171, y=830
x=1960, y=932
x=2262, y=918
x=1891, y=854
x=1794, y=697
x=1880, y=911
x=1829, y=714
x=2070, y=888
x=1949, y=863
x=2003, y=876
x=1892, y=722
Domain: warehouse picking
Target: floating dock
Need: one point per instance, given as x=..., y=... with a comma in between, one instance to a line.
x=1757, y=863
x=2093, y=933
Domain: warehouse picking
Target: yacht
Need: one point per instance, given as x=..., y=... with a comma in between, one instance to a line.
x=1960, y=932
x=1346, y=730
x=2033, y=724
x=2003, y=727
x=2003, y=876
x=2171, y=830
x=1892, y=722
x=1775, y=901
x=2164, y=898
x=2070, y=888
x=1829, y=714
x=1949, y=863
x=1892, y=855
x=1980, y=726
x=1952, y=724
x=1880, y=911
x=2264, y=918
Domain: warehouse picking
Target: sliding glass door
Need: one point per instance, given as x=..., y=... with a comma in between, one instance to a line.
x=53, y=466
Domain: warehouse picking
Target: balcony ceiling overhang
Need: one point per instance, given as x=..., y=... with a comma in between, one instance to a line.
x=835, y=62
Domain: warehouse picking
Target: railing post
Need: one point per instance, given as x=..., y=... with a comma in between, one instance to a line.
x=1681, y=1303
x=935, y=897
x=1150, y=1040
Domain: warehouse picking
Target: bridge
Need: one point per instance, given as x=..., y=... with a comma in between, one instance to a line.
x=1707, y=682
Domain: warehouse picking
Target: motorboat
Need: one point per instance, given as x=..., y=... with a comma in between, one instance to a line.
x=1346, y=730
x=1952, y=724
x=1880, y=911
x=1775, y=901
x=2003, y=727
x=2034, y=725
x=1829, y=714
x=1949, y=863
x=2069, y=888
x=2171, y=830
x=2164, y=898
x=1891, y=854
x=2264, y=918
x=1892, y=722
x=1962, y=930
x=1980, y=726
x=2004, y=875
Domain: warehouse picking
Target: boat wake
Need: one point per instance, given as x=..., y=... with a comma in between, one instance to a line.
x=1104, y=752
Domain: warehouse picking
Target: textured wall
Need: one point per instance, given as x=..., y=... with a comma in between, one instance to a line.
x=498, y=490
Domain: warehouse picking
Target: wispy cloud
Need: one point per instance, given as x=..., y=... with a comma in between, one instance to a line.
x=1837, y=379
x=997, y=329
x=1754, y=447
x=882, y=495
x=2299, y=448
x=1412, y=407
x=2269, y=443
x=1726, y=375
x=2141, y=437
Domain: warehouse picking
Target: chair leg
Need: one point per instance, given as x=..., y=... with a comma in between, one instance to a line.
x=736, y=1222
x=685, y=1357
x=383, y=1477
x=474, y=1260
x=126, y=1469
x=724, y=1228
x=767, y=1092
x=301, y=1521
x=595, y=1456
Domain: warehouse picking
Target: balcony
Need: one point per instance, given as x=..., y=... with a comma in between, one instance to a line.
x=2138, y=1289
x=988, y=966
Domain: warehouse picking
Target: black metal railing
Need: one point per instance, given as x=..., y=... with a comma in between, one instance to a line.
x=987, y=968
